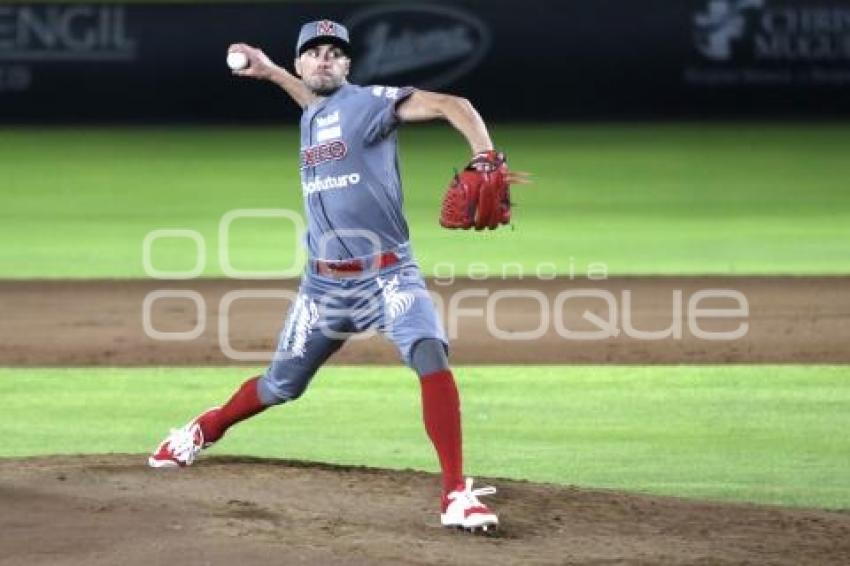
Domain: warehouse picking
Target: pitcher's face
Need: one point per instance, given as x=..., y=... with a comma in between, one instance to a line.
x=323, y=68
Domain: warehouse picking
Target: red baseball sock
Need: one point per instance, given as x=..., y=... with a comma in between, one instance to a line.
x=441, y=413
x=245, y=403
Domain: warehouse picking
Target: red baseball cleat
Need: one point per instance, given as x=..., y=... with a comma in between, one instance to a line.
x=181, y=446
x=462, y=509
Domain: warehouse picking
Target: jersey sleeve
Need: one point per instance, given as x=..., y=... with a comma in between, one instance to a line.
x=383, y=101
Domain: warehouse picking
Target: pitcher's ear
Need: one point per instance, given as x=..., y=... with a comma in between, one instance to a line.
x=298, y=66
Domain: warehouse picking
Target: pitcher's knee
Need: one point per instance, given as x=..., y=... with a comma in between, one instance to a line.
x=428, y=355
x=283, y=384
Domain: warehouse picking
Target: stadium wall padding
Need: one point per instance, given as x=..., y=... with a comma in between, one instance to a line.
x=531, y=60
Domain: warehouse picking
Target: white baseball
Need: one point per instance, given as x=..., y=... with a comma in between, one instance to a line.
x=237, y=60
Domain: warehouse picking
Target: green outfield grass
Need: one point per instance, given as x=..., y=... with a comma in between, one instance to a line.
x=773, y=434
x=722, y=199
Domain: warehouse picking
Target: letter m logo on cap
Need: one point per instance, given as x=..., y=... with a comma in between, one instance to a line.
x=325, y=27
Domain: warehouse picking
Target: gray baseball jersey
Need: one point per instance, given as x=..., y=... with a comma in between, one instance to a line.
x=349, y=172
x=353, y=201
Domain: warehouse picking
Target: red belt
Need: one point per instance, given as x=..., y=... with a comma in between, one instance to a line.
x=354, y=267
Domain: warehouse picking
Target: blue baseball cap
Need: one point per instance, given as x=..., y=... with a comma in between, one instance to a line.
x=322, y=31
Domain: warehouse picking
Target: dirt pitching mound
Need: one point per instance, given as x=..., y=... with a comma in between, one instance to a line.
x=114, y=510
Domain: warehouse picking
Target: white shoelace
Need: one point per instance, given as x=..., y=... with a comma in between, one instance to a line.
x=181, y=442
x=470, y=496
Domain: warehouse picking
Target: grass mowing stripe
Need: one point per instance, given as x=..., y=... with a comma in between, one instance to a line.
x=678, y=199
x=772, y=434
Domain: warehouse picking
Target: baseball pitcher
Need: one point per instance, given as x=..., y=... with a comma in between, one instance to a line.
x=361, y=272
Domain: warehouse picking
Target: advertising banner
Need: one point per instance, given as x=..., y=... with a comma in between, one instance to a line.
x=534, y=60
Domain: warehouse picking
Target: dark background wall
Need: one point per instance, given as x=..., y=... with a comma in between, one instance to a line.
x=529, y=60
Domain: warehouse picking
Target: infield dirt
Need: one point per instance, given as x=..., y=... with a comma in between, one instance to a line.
x=88, y=510
x=80, y=323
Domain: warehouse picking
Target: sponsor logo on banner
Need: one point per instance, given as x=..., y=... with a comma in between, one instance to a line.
x=427, y=46
x=39, y=33
x=65, y=32
x=771, y=42
x=722, y=22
